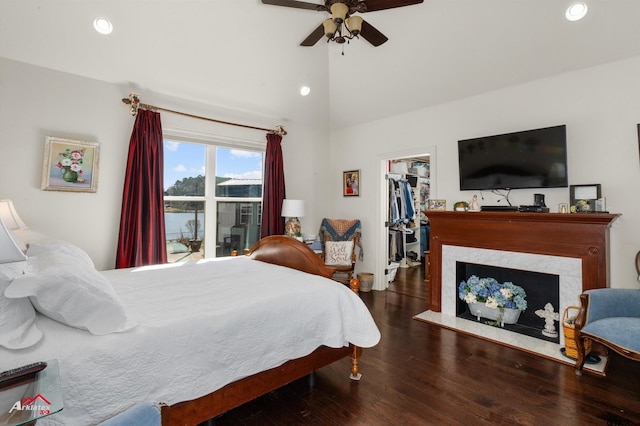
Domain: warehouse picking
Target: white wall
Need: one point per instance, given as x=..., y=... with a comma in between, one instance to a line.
x=599, y=106
x=37, y=102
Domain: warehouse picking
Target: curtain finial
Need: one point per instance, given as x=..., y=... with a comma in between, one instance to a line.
x=279, y=130
x=134, y=100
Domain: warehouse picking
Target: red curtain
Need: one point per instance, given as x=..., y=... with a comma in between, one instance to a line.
x=274, y=191
x=141, y=240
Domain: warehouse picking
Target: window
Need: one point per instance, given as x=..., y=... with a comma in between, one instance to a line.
x=208, y=184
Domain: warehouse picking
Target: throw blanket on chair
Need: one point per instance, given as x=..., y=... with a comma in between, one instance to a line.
x=341, y=230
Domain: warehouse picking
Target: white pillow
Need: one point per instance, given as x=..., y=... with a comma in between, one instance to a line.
x=63, y=249
x=18, y=329
x=338, y=253
x=63, y=284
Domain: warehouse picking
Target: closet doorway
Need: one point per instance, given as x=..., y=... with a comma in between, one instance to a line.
x=407, y=181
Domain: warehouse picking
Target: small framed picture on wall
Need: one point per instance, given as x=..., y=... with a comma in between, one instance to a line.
x=70, y=165
x=351, y=183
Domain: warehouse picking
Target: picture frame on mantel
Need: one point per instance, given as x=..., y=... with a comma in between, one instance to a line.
x=435, y=204
x=70, y=165
x=584, y=197
x=351, y=183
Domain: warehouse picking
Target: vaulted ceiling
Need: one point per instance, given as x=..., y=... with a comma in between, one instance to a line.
x=245, y=56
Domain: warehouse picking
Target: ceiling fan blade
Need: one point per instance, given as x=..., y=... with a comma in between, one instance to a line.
x=313, y=37
x=373, y=5
x=372, y=35
x=296, y=4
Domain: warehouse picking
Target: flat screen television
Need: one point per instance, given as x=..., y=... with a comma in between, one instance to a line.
x=528, y=159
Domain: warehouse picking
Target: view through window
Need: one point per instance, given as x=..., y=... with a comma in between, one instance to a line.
x=206, y=185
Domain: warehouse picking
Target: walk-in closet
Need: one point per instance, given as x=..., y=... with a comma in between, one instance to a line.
x=408, y=189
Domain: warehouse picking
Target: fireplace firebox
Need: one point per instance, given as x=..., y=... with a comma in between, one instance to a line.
x=541, y=288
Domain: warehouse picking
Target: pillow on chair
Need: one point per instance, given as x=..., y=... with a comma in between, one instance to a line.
x=338, y=253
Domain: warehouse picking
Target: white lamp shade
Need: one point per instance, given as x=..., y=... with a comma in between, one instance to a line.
x=10, y=216
x=292, y=208
x=9, y=250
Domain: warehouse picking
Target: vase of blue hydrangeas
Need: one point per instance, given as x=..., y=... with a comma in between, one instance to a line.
x=502, y=303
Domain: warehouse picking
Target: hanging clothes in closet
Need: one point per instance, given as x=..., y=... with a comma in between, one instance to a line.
x=401, y=209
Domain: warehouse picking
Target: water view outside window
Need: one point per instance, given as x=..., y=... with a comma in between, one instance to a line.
x=184, y=205
x=231, y=194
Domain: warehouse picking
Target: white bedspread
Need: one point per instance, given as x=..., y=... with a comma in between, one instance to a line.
x=201, y=326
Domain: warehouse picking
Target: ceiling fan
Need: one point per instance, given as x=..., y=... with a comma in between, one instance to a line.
x=343, y=24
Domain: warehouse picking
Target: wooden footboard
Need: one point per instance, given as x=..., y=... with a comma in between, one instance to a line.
x=284, y=251
x=190, y=413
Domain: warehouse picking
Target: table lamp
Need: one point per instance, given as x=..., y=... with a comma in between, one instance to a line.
x=292, y=209
x=9, y=250
x=10, y=216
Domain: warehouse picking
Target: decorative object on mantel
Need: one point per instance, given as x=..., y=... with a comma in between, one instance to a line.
x=584, y=197
x=70, y=165
x=461, y=206
x=437, y=204
x=475, y=205
x=550, y=317
x=487, y=298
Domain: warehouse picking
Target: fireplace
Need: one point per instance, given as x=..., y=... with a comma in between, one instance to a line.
x=574, y=247
x=541, y=289
x=568, y=270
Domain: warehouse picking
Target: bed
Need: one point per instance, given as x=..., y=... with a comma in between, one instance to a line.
x=199, y=338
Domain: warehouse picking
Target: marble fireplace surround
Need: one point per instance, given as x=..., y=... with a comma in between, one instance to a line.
x=572, y=246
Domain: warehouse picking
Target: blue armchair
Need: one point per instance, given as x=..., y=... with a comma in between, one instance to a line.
x=611, y=317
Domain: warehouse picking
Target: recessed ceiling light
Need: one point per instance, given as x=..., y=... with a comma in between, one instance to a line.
x=576, y=11
x=102, y=25
x=305, y=90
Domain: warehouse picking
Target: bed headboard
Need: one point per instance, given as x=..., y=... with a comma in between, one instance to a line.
x=289, y=252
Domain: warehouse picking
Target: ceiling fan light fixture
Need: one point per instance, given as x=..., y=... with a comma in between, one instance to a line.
x=330, y=28
x=339, y=12
x=354, y=24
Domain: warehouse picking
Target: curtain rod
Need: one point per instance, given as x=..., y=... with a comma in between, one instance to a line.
x=134, y=101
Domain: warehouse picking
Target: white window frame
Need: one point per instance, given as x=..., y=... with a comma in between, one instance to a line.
x=212, y=142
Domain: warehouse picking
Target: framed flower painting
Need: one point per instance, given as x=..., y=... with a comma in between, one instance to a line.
x=70, y=165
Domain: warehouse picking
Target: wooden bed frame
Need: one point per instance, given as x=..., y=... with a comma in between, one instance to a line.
x=285, y=251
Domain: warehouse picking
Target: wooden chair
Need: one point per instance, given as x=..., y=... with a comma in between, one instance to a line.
x=334, y=255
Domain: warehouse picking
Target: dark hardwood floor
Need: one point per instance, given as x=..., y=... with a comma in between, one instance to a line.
x=421, y=374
